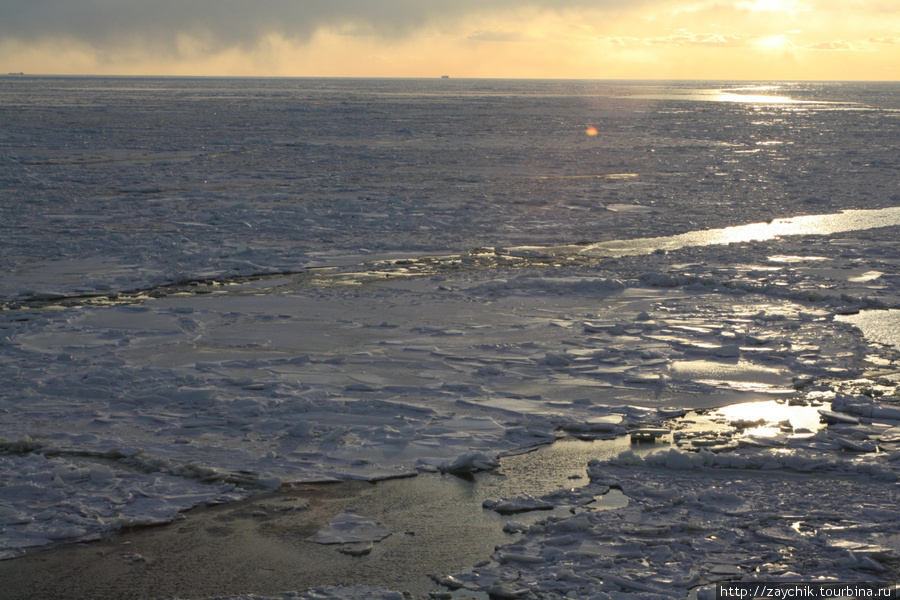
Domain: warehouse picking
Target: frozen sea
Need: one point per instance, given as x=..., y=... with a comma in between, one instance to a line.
x=211, y=288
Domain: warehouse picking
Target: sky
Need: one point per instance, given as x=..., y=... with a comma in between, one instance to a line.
x=577, y=39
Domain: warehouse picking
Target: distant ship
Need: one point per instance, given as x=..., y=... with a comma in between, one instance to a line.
x=17, y=74
x=445, y=77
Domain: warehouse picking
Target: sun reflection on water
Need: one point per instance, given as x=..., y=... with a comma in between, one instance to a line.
x=726, y=96
x=737, y=95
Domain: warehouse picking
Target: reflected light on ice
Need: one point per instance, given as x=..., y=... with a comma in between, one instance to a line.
x=773, y=413
x=742, y=375
x=851, y=220
x=785, y=258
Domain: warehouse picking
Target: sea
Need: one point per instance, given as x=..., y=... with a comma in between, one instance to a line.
x=217, y=288
x=160, y=178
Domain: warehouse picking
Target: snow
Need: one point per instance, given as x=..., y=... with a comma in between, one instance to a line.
x=314, y=286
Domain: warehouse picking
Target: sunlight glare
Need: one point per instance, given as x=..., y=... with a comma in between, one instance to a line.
x=591, y=130
x=757, y=99
x=775, y=43
x=773, y=413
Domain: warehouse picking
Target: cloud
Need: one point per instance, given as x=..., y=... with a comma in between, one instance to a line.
x=189, y=36
x=243, y=22
x=714, y=39
x=685, y=38
x=479, y=38
x=836, y=45
x=498, y=36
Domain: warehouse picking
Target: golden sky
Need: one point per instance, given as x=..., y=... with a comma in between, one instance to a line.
x=581, y=39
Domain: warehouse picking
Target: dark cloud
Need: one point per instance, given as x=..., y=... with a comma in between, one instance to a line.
x=242, y=22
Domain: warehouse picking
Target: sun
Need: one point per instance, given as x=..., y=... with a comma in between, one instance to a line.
x=774, y=43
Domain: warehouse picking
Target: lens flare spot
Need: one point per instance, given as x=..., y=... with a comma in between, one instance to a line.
x=591, y=130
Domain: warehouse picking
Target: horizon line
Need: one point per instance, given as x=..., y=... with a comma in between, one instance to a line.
x=17, y=75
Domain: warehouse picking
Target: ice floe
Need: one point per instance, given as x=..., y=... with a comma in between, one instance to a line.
x=356, y=534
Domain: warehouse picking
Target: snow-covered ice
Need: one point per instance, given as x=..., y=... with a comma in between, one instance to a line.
x=356, y=534
x=312, y=280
